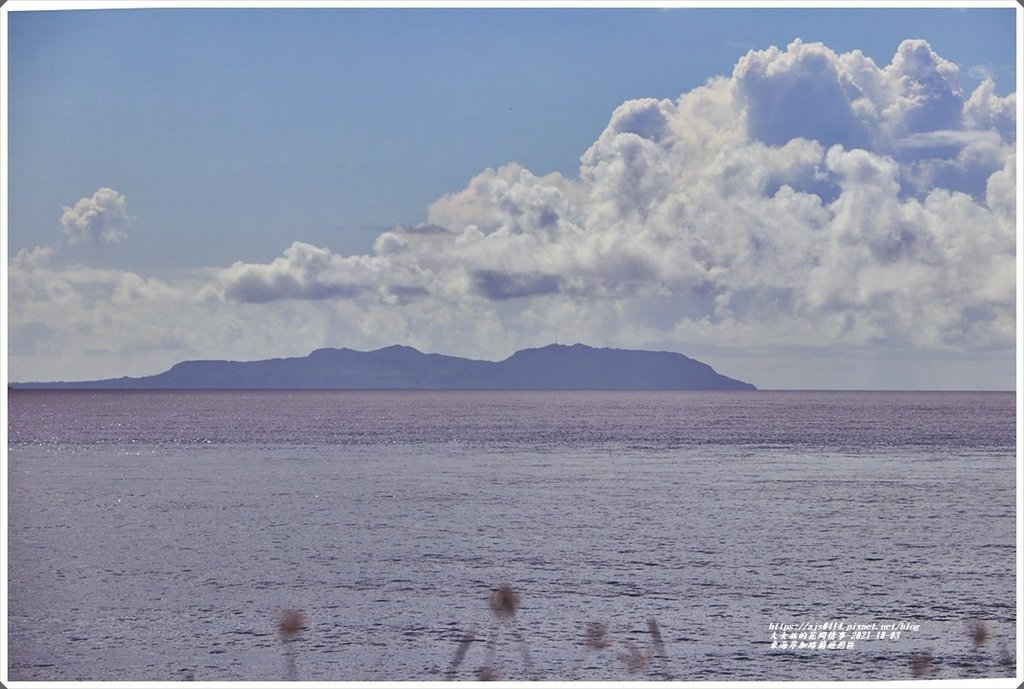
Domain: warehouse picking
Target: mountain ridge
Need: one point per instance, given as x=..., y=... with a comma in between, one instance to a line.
x=401, y=367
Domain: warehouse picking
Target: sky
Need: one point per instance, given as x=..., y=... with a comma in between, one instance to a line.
x=802, y=198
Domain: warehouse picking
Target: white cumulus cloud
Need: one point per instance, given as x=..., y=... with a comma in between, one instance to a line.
x=101, y=218
x=871, y=205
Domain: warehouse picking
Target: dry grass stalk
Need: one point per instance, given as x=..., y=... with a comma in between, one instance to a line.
x=460, y=653
x=492, y=647
x=523, y=652
x=1006, y=658
x=658, y=646
x=658, y=643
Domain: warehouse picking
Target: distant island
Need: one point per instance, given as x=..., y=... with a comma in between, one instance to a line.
x=554, y=367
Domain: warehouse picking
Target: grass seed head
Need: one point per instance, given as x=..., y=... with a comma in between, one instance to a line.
x=979, y=632
x=487, y=674
x=634, y=659
x=596, y=636
x=921, y=664
x=290, y=623
x=504, y=601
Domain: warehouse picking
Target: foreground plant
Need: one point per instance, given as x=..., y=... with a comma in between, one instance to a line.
x=289, y=626
x=504, y=603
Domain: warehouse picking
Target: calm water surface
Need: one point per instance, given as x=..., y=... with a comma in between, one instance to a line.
x=159, y=535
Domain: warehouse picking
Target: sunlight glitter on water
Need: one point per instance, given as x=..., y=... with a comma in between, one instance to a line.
x=716, y=516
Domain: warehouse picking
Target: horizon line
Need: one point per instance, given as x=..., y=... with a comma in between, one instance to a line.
x=45, y=387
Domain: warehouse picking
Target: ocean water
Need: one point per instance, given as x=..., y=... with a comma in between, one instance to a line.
x=161, y=535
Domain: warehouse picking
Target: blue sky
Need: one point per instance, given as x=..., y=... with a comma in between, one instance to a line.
x=344, y=123
x=231, y=135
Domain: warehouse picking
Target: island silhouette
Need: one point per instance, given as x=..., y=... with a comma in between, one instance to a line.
x=398, y=367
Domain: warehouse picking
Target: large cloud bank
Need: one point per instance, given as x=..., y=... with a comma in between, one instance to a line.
x=811, y=198
x=868, y=204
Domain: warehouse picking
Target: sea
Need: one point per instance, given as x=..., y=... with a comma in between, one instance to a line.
x=336, y=536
